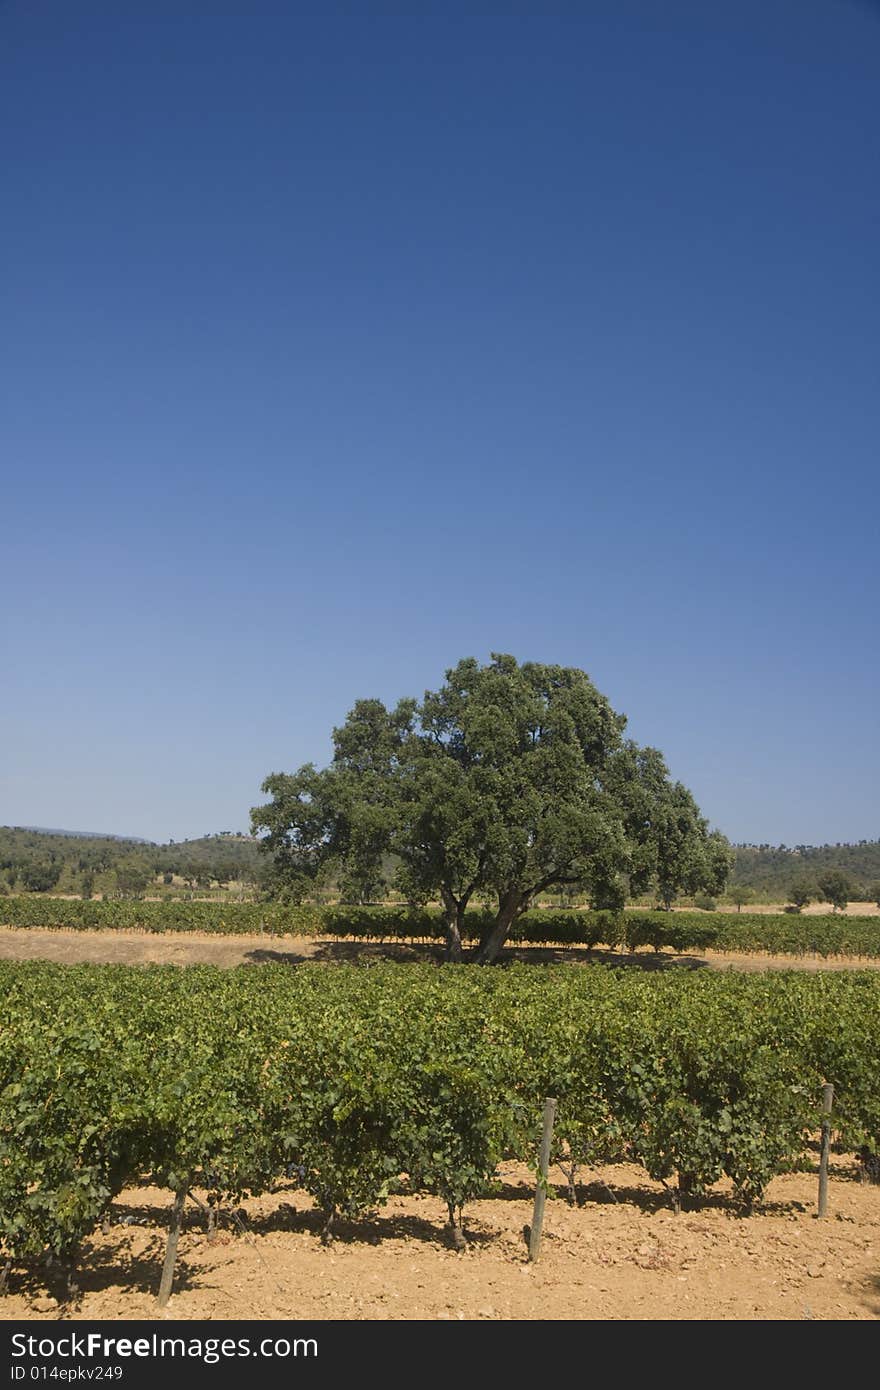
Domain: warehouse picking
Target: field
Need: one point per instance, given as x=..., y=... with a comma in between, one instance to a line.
x=397, y=1091
x=621, y=1255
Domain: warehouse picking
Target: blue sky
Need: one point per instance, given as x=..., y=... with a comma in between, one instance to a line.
x=341, y=342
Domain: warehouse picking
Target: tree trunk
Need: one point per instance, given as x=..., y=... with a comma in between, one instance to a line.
x=453, y=937
x=453, y=917
x=510, y=907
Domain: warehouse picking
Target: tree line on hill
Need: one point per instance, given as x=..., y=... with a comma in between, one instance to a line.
x=770, y=871
x=34, y=861
x=90, y=866
x=830, y=886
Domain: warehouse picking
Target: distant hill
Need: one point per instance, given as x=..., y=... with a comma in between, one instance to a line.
x=771, y=870
x=82, y=834
x=41, y=860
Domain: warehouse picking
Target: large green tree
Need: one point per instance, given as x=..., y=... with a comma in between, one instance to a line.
x=836, y=888
x=510, y=781
x=802, y=893
x=133, y=877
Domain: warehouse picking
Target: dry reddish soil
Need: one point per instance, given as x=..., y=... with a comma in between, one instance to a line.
x=203, y=948
x=621, y=1255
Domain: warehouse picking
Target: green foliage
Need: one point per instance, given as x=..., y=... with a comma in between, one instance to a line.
x=448, y=1134
x=771, y=869
x=132, y=876
x=66, y=1143
x=802, y=893
x=508, y=782
x=768, y=870
x=354, y=1080
x=335, y=1121
x=739, y=895
x=688, y=860
x=706, y=1095
x=42, y=860
x=836, y=888
x=39, y=878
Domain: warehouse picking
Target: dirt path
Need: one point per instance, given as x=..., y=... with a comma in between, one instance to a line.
x=621, y=1255
x=203, y=948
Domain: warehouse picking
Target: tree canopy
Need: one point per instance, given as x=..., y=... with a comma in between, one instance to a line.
x=802, y=893
x=509, y=781
x=836, y=888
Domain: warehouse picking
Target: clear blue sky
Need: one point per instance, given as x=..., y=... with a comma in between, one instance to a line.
x=341, y=342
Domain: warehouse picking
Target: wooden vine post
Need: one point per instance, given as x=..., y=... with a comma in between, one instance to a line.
x=171, y=1249
x=541, y=1188
x=827, y=1102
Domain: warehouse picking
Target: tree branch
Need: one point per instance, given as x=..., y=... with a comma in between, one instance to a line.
x=550, y=879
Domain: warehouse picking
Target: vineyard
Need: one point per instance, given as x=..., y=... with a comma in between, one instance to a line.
x=356, y=1083
x=782, y=933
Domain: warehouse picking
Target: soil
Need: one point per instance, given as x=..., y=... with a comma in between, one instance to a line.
x=622, y=1254
x=820, y=909
x=204, y=948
